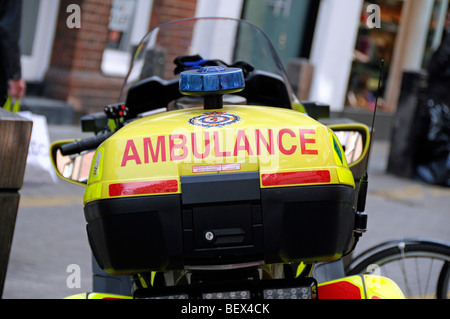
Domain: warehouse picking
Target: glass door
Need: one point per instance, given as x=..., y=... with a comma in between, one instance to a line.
x=283, y=21
x=37, y=32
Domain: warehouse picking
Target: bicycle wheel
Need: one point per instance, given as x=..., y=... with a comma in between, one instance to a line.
x=442, y=288
x=419, y=266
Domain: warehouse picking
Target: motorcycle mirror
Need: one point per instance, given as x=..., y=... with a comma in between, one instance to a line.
x=352, y=144
x=71, y=168
x=355, y=140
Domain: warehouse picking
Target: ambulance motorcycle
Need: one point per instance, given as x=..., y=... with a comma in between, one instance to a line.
x=209, y=180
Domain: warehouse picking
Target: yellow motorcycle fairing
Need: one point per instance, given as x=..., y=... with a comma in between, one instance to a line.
x=96, y=295
x=149, y=155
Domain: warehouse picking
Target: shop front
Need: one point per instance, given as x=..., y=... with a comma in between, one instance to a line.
x=407, y=35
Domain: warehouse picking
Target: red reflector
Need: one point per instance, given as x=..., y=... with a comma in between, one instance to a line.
x=142, y=188
x=340, y=290
x=293, y=178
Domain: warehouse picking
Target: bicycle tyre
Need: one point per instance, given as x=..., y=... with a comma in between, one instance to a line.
x=444, y=276
x=405, y=248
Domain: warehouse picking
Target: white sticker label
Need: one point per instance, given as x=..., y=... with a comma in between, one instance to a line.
x=216, y=168
x=96, y=164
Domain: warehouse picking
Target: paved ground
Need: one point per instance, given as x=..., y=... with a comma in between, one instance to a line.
x=50, y=228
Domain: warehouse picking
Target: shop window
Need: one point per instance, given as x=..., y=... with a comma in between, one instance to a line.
x=128, y=23
x=30, y=11
x=120, y=24
x=372, y=45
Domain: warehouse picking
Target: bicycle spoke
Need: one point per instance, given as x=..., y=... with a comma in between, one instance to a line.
x=401, y=247
x=417, y=276
x=428, y=277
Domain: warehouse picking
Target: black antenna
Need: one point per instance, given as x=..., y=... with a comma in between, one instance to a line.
x=375, y=111
x=361, y=217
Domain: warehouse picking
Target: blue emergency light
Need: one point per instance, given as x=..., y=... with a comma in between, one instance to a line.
x=211, y=80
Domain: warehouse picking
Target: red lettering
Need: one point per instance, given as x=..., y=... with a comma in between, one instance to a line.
x=207, y=146
x=180, y=146
x=217, y=151
x=280, y=142
x=304, y=141
x=160, y=148
x=241, y=137
x=269, y=145
x=155, y=150
x=134, y=154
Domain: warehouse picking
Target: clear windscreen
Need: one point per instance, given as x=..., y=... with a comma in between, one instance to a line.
x=179, y=45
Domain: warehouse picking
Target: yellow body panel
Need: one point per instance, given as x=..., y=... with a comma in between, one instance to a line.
x=158, y=149
x=378, y=287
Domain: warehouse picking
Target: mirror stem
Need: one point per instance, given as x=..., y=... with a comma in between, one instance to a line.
x=362, y=193
x=360, y=226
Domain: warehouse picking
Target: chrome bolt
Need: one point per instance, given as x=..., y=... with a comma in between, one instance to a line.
x=209, y=236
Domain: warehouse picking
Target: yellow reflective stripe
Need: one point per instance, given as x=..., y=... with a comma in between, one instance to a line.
x=345, y=176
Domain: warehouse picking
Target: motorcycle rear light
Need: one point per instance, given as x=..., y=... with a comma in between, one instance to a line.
x=290, y=293
x=295, y=288
x=180, y=297
x=296, y=178
x=243, y=294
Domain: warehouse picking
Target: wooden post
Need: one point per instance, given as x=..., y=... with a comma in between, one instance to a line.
x=15, y=133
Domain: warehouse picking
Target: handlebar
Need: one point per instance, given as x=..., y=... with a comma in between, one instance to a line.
x=84, y=144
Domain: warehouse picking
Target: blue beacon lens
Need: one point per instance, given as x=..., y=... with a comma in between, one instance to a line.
x=211, y=80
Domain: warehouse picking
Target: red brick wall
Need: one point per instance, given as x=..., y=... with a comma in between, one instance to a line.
x=165, y=11
x=75, y=70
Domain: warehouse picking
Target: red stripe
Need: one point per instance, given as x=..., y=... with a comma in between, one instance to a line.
x=294, y=178
x=143, y=188
x=340, y=290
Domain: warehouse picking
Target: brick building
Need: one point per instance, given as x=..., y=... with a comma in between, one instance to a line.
x=84, y=65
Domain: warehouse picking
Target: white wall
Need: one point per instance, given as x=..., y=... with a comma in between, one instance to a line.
x=332, y=50
x=219, y=8
x=223, y=48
